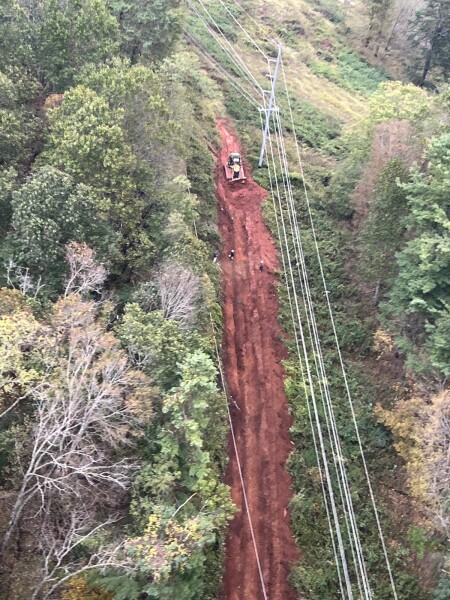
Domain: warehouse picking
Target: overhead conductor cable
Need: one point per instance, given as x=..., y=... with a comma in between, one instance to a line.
x=320, y=446
x=222, y=70
x=341, y=361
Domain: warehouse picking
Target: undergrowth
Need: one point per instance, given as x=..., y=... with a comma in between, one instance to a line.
x=330, y=10
x=320, y=134
x=315, y=576
x=348, y=71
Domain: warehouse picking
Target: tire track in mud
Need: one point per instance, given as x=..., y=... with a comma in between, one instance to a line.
x=252, y=353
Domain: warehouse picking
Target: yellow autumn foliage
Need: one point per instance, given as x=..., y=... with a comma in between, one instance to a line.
x=383, y=342
x=164, y=542
x=17, y=331
x=421, y=431
x=79, y=589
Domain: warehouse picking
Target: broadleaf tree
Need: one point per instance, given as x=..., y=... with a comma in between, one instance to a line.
x=149, y=28
x=50, y=210
x=74, y=33
x=382, y=234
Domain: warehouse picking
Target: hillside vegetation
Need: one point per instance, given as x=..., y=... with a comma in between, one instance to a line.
x=113, y=436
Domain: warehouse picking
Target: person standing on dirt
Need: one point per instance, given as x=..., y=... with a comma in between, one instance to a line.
x=261, y=266
x=231, y=255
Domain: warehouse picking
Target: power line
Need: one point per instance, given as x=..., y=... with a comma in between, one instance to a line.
x=258, y=25
x=320, y=371
x=331, y=426
x=221, y=70
x=273, y=178
x=244, y=493
x=237, y=61
x=310, y=384
x=330, y=421
x=252, y=40
x=336, y=339
x=310, y=391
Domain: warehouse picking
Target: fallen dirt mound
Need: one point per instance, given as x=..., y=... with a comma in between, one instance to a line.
x=252, y=354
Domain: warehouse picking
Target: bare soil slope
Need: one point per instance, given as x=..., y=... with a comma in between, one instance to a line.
x=252, y=355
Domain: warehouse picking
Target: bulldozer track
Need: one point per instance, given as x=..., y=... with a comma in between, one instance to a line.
x=252, y=356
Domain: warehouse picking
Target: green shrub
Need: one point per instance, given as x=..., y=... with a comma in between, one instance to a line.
x=330, y=10
x=313, y=127
x=350, y=72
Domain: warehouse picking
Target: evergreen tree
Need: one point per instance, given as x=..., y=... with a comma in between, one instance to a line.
x=52, y=39
x=73, y=33
x=420, y=297
x=430, y=34
x=18, y=125
x=383, y=231
x=379, y=10
x=17, y=33
x=87, y=141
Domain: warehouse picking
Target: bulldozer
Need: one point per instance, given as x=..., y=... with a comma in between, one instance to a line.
x=234, y=169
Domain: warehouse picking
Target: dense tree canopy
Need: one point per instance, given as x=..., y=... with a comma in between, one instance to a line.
x=420, y=296
x=384, y=227
x=18, y=125
x=49, y=211
x=149, y=28
x=53, y=39
x=74, y=33
x=93, y=193
x=112, y=426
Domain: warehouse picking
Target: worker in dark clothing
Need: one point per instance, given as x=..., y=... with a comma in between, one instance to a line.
x=216, y=256
x=261, y=266
x=231, y=255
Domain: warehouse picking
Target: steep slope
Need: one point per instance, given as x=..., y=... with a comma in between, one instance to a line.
x=252, y=354
x=331, y=90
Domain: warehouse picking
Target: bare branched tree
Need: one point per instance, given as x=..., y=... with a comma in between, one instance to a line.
x=180, y=292
x=83, y=414
x=64, y=567
x=436, y=444
x=86, y=274
x=60, y=537
x=20, y=279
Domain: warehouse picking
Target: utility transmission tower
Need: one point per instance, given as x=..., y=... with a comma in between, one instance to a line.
x=269, y=110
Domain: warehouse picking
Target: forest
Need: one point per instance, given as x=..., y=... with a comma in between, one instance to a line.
x=114, y=418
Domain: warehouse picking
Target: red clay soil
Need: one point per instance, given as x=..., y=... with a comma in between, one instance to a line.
x=252, y=353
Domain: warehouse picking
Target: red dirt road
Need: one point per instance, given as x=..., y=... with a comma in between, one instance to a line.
x=252, y=354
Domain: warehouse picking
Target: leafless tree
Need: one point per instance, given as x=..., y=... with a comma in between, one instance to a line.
x=82, y=416
x=20, y=279
x=180, y=292
x=393, y=139
x=60, y=537
x=436, y=445
x=106, y=557
x=402, y=13
x=86, y=275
